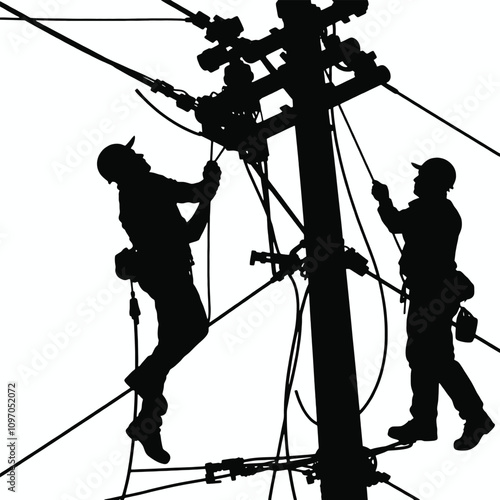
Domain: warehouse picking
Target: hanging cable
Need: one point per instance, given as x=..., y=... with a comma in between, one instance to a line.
x=290, y=376
x=372, y=257
x=264, y=168
x=209, y=293
x=280, y=199
x=303, y=408
x=270, y=227
x=177, y=124
x=298, y=328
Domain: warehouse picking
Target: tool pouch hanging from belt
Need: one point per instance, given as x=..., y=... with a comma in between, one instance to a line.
x=126, y=264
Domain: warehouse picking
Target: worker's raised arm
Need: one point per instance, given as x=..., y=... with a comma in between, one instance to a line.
x=201, y=192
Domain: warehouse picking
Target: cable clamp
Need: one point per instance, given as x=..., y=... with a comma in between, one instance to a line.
x=163, y=87
x=288, y=263
x=235, y=466
x=355, y=262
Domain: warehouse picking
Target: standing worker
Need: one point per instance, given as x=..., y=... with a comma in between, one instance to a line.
x=161, y=262
x=430, y=227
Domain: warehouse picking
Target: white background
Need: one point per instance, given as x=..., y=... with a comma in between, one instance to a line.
x=67, y=337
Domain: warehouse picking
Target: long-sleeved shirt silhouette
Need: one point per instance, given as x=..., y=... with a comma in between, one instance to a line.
x=150, y=216
x=430, y=228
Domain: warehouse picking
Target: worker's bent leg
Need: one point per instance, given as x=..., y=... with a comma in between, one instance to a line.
x=182, y=325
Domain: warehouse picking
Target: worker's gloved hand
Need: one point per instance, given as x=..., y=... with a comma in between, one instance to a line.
x=212, y=171
x=211, y=178
x=380, y=191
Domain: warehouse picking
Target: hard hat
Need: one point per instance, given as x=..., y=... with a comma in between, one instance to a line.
x=111, y=157
x=441, y=170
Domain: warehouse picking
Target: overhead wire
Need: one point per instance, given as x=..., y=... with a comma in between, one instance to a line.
x=165, y=487
x=96, y=19
x=441, y=119
x=130, y=72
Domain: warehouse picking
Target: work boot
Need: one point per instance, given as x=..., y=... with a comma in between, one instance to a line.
x=474, y=430
x=151, y=442
x=145, y=428
x=413, y=431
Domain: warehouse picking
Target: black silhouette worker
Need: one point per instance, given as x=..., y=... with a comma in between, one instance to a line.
x=430, y=227
x=162, y=259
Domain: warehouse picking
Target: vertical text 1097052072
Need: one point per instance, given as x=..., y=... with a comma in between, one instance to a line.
x=11, y=434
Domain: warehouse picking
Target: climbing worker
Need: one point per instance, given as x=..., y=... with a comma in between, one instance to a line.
x=430, y=227
x=160, y=261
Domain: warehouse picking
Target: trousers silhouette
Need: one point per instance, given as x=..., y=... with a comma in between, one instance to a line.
x=182, y=324
x=430, y=354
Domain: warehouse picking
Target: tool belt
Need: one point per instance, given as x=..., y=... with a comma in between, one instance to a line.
x=465, y=285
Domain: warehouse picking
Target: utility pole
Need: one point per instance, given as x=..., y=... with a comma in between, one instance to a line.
x=229, y=118
x=337, y=406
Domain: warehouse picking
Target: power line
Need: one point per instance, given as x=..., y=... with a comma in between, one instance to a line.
x=96, y=19
x=180, y=8
x=165, y=487
x=454, y=127
x=67, y=431
x=400, y=490
x=130, y=72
